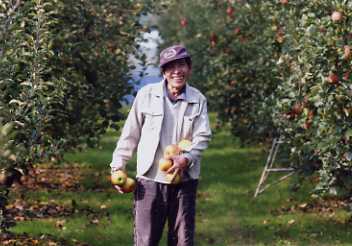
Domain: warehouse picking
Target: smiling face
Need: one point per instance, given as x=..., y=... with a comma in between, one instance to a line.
x=176, y=73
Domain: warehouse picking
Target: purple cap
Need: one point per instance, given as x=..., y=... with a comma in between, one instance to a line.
x=173, y=53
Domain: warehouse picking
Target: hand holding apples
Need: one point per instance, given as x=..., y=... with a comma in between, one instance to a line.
x=171, y=151
x=173, y=163
x=179, y=162
x=129, y=185
x=118, y=178
x=122, y=183
x=175, y=177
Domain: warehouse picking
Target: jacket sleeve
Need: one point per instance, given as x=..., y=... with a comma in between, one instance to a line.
x=201, y=135
x=129, y=137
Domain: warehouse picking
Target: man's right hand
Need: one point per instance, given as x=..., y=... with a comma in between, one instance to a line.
x=119, y=189
x=118, y=177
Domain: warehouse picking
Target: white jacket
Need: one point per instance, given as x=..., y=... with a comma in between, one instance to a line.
x=142, y=128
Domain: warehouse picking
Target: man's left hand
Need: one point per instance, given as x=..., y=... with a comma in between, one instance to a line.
x=179, y=163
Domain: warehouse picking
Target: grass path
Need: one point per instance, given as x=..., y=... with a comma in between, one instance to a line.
x=227, y=214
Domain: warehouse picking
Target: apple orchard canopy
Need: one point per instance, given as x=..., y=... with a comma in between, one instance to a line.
x=173, y=53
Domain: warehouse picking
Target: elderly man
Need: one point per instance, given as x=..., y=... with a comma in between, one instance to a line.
x=163, y=114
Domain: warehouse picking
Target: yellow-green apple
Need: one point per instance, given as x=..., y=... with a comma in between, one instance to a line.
x=118, y=178
x=174, y=178
x=129, y=185
x=171, y=151
x=165, y=164
x=177, y=179
x=185, y=145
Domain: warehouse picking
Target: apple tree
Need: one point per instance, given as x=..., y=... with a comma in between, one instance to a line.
x=234, y=50
x=63, y=76
x=313, y=109
x=276, y=68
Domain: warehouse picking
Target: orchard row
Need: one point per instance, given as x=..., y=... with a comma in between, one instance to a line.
x=276, y=69
x=63, y=77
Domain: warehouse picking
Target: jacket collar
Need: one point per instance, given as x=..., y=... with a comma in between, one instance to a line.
x=191, y=96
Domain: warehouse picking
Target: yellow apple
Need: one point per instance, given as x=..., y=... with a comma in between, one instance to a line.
x=185, y=145
x=171, y=151
x=174, y=178
x=177, y=179
x=165, y=164
x=129, y=185
x=118, y=178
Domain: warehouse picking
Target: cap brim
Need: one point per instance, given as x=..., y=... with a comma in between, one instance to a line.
x=178, y=58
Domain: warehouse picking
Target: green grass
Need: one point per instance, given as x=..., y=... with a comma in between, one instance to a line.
x=227, y=214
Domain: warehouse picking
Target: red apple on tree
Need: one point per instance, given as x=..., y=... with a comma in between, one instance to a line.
x=237, y=30
x=346, y=52
x=346, y=75
x=336, y=16
x=306, y=125
x=213, y=39
x=229, y=11
x=333, y=78
x=297, y=108
x=183, y=22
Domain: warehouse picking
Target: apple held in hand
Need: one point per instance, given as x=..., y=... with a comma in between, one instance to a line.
x=129, y=185
x=174, y=178
x=171, y=151
x=118, y=178
x=177, y=179
x=185, y=145
x=165, y=164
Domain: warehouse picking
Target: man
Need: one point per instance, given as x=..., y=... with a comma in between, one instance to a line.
x=163, y=114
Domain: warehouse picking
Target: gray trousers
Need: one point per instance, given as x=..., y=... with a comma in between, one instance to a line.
x=156, y=203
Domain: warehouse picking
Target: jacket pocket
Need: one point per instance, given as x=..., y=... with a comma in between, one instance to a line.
x=187, y=126
x=152, y=120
